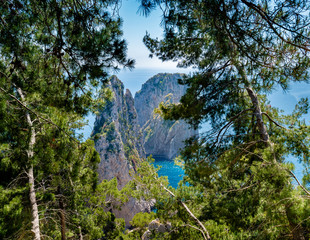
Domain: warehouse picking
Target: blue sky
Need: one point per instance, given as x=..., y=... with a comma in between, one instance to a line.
x=135, y=26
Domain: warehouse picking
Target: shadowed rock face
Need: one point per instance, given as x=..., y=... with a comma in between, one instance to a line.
x=116, y=135
x=119, y=144
x=161, y=138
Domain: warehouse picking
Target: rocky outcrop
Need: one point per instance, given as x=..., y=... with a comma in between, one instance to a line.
x=119, y=144
x=120, y=141
x=161, y=138
x=154, y=227
x=117, y=136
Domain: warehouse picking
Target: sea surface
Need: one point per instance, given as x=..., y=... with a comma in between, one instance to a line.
x=174, y=173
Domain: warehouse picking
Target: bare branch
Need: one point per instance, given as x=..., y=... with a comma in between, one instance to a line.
x=303, y=188
x=204, y=231
x=273, y=120
x=196, y=228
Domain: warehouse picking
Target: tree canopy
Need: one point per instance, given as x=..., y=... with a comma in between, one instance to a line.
x=241, y=50
x=55, y=57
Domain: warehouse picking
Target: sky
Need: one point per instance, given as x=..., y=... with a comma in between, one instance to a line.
x=135, y=27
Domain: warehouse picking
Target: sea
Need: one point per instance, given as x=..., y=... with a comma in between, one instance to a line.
x=284, y=100
x=175, y=173
x=167, y=168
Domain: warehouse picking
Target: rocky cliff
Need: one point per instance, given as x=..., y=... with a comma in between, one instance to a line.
x=119, y=144
x=120, y=140
x=117, y=136
x=161, y=138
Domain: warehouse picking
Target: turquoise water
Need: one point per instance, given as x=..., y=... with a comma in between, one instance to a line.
x=174, y=172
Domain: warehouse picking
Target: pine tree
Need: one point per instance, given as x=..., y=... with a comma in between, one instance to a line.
x=53, y=56
x=241, y=51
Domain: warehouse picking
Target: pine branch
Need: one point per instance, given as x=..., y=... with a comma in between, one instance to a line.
x=230, y=122
x=271, y=23
x=37, y=115
x=277, y=124
x=204, y=231
x=241, y=189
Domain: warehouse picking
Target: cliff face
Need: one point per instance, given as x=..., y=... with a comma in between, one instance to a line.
x=161, y=138
x=120, y=141
x=116, y=135
x=119, y=144
x=154, y=91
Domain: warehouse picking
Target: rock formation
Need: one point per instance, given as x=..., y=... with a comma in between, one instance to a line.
x=161, y=138
x=120, y=141
x=154, y=227
x=116, y=135
x=117, y=140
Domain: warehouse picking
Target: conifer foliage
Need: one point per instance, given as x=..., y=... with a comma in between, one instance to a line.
x=53, y=54
x=241, y=50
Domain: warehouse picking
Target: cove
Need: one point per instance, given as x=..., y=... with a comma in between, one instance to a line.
x=174, y=173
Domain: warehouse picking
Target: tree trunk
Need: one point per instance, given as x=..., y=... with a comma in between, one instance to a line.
x=296, y=229
x=62, y=219
x=259, y=117
x=80, y=233
x=34, y=206
x=35, y=228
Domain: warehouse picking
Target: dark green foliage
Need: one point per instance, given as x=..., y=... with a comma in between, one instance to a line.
x=54, y=54
x=60, y=48
x=241, y=49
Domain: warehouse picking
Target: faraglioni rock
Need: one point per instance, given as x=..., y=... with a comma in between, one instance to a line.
x=119, y=144
x=161, y=138
x=126, y=127
x=117, y=136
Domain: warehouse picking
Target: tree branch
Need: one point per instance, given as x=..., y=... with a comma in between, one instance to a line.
x=303, y=188
x=270, y=22
x=37, y=115
x=204, y=231
x=230, y=122
x=273, y=120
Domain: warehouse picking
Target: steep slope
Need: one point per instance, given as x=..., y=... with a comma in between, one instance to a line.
x=161, y=138
x=119, y=144
x=116, y=135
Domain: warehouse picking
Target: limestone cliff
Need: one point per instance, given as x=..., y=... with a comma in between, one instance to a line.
x=161, y=138
x=120, y=141
x=116, y=135
x=119, y=144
